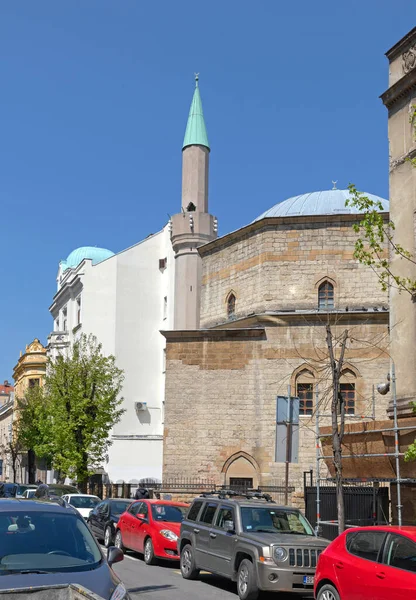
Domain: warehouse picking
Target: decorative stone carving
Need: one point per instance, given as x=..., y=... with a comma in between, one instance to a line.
x=409, y=59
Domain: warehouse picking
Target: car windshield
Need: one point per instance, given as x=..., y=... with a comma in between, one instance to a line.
x=119, y=506
x=45, y=541
x=272, y=520
x=168, y=512
x=84, y=501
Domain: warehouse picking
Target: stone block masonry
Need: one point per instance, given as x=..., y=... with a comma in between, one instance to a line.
x=221, y=388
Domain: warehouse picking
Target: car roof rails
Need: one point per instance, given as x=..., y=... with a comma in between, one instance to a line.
x=249, y=495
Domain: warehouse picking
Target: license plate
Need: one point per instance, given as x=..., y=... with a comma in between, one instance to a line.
x=308, y=580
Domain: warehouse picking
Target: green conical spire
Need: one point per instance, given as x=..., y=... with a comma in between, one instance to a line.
x=196, y=132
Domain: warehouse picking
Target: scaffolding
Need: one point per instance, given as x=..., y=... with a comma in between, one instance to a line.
x=396, y=454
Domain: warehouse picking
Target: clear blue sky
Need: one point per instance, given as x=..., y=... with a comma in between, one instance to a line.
x=94, y=101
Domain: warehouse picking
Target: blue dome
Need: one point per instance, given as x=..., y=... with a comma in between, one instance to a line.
x=329, y=202
x=76, y=257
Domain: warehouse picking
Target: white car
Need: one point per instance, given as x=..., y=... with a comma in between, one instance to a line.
x=84, y=503
x=30, y=493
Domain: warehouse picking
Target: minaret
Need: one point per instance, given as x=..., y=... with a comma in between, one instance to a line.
x=194, y=226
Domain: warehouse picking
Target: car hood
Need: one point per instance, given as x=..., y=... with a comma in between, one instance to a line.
x=102, y=580
x=175, y=527
x=285, y=539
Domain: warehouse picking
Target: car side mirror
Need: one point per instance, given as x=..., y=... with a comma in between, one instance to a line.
x=114, y=555
x=90, y=513
x=142, y=517
x=229, y=526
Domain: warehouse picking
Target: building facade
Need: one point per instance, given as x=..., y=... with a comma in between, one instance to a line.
x=29, y=371
x=268, y=292
x=125, y=299
x=400, y=100
x=6, y=424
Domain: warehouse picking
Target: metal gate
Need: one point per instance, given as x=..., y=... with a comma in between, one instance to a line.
x=364, y=505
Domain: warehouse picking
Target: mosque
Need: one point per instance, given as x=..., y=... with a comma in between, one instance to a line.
x=211, y=331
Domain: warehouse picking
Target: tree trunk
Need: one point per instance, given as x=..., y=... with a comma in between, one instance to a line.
x=31, y=466
x=82, y=475
x=337, y=411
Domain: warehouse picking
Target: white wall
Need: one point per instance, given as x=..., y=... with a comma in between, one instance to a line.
x=123, y=306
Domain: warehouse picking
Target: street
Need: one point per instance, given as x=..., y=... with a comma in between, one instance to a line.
x=166, y=583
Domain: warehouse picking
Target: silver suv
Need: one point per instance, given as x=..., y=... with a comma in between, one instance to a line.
x=251, y=540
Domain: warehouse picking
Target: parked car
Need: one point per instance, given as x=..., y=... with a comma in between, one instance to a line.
x=23, y=487
x=43, y=543
x=250, y=540
x=57, y=489
x=84, y=503
x=8, y=490
x=369, y=562
x=104, y=518
x=151, y=527
x=29, y=493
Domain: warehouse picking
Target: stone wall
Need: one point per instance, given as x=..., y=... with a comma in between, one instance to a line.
x=221, y=388
x=278, y=264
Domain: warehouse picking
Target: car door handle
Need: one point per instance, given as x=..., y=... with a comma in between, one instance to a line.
x=196, y=530
x=381, y=575
x=213, y=535
x=339, y=565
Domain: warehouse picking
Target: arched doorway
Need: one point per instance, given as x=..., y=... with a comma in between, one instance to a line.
x=241, y=472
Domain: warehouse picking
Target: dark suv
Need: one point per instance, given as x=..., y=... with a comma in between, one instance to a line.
x=251, y=540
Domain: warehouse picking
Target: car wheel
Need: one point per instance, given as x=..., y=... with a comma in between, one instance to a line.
x=188, y=568
x=328, y=592
x=119, y=541
x=246, y=581
x=149, y=553
x=107, y=536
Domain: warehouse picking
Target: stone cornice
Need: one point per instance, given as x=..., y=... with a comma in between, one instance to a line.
x=400, y=89
x=402, y=45
x=285, y=318
x=253, y=326
x=213, y=334
x=293, y=222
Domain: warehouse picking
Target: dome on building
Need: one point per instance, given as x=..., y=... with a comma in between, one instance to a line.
x=76, y=257
x=328, y=202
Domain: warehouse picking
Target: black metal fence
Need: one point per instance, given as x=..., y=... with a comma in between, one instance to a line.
x=365, y=504
x=172, y=488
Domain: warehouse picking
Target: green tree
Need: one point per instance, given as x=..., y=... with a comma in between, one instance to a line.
x=31, y=430
x=375, y=233
x=82, y=399
x=69, y=419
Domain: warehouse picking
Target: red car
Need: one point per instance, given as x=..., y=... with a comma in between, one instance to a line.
x=369, y=563
x=151, y=527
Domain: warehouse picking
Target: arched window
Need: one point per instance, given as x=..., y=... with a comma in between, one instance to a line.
x=348, y=391
x=326, y=296
x=231, y=306
x=305, y=392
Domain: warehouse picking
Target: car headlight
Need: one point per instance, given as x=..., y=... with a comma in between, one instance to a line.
x=169, y=535
x=119, y=593
x=280, y=554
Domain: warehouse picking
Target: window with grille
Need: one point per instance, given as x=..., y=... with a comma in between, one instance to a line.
x=305, y=395
x=231, y=306
x=348, y=394
x=326, y=296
